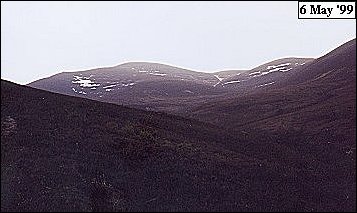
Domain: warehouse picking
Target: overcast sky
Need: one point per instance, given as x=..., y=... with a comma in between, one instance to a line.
x=39, y=39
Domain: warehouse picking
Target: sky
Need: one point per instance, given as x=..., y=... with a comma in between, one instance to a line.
x=40, y=39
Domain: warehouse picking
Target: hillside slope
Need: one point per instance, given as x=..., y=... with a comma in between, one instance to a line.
x=312, y=111
x=322, y=92
x=62, y=153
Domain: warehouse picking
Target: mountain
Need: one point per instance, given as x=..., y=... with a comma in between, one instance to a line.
x=263, y=75
x=337, y=65
x=161, y=87
x=283, y=138
x=62, y=153
x=327, y=83
x=158, y=87
x=312, y=110
x=311, y=96
x=131, y=83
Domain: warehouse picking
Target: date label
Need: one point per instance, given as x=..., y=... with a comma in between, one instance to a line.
x=327, y=10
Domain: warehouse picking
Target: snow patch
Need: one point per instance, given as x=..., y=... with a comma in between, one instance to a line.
x=128, y=84
x=254, y=73
x=273, y=70
x=286, y=70
x=231, y=82
x=262, y=85
x=281, y=69
x=279, y=65
x=158, y=74
x=84, y=81
x=219, y=78
x=109, y=86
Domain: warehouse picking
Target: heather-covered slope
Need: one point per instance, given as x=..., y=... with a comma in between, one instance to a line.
x=62, y=153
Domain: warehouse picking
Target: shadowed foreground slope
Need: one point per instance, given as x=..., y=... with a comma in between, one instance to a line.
x=61, y=153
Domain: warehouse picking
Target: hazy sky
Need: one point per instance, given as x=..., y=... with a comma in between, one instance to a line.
x=39, y=39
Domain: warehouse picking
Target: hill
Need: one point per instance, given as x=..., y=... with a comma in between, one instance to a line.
x=62, y=153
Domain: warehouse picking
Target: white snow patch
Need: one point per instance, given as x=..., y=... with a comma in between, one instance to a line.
x=76, y=77
x=273, y=70
x=189, y=91
x=279, y=65
x=303, y=63
x=129, y=84
x=84, y=81
x=158, y=74
x=262, y=85
x=286, y=70
x=108, y=90
x=93, y=88
x=216, y=84
x=143, y=71
x=254, y=73
x=231, y=82
x=219, y=78
x=82, y=92
x=109, y=86
x=281, y=69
